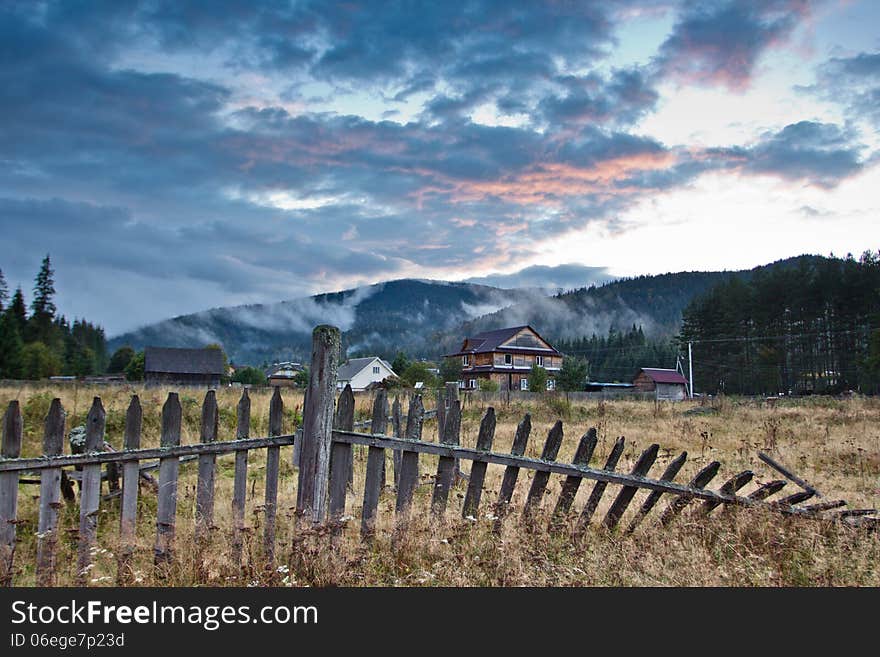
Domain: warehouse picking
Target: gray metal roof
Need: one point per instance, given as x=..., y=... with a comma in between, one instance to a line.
x=351, y=367
x=183, y=361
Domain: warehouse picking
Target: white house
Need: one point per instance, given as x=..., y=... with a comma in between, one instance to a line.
x=361, y=372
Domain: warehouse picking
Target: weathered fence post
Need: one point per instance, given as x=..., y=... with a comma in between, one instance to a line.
x=205, y=482
x=166, y=505
x=539, y=482
x=600, y=486
x=445, y=478
x=572, y=483
x=90, y=495
x=397, y=433
x=700, y=480
x=451, y=398
x=409, y=463
x=311, y=494
x=375, y=478
x=624, y=497
x=732, y=485
x=50, y=497
x=341, y=461
x=11, y=449
x=130, y=482
x=273, y=456
x=511, y=472
x=471, y=505
x=654, y=497
x=239, y=485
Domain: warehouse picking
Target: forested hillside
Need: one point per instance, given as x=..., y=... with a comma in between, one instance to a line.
x=811, y=327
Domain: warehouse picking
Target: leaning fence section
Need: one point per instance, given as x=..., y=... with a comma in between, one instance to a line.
x=326, y=448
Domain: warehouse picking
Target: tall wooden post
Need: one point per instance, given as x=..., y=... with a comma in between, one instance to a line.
x=311, y=495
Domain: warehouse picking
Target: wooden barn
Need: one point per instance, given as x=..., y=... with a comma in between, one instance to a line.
x=188, y=367
x=667, y=384
x=506, y=356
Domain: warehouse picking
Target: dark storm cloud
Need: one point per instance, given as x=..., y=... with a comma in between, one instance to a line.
x=720, y=43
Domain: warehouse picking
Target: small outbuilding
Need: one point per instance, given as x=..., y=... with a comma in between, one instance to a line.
x=188, y=367
x=666, y=384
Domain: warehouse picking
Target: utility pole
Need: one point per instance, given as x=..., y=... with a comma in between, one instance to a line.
x=691, y=368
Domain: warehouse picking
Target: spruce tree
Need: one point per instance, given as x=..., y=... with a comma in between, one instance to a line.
x=44, y=291
x=18, y=311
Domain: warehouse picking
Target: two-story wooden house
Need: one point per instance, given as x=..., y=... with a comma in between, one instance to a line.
x=506, y=356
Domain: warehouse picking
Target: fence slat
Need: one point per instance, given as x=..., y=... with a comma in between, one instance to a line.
x=570, y=486
x=311, y=494
x=273, y=458
x=341, y=461
x=166, y=505
x=205, y=482
x=445, y=478
x=788, y=474
x=11, y=449
x=767, y=490
x=797, y=498
x=396, y=425
x=90, y=494
x=825, y=506
x=379, y=425
x=130, y=482
x=50, y=497
x=654, y=496
x=409, y=462
x=471, y=505
x=624, y=497
x=207, y=469
x=239, y=484
x=600, y=486
x=539, y=482
x=511, y=472
x=730, y=487
x=700, y=480
x=375, y=478
x=451, y=397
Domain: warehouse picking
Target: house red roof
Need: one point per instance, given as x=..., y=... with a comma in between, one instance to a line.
x=658, y=375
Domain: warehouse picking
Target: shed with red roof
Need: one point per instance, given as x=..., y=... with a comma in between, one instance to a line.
x=667, y=384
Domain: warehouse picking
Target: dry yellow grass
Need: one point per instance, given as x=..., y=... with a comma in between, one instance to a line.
x=832, y=443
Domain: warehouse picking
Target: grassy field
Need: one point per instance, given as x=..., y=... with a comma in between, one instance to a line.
x=832, y=443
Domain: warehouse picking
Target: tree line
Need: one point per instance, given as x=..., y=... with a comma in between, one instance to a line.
x=617, y=356
x=810, y=328
x=42, y=343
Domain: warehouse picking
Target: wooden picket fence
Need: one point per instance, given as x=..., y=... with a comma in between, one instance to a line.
x=324, y=457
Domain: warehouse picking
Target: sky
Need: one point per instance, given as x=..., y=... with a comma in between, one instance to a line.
x=175, y=156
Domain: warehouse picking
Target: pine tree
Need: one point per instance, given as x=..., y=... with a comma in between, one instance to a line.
x=18, y=310
x=44, y=290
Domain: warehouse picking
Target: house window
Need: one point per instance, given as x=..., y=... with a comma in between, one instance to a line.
x=539, y=360
x=376, y=370
x=523, y=384
x=551, y=384
x=508, y=359
x=472, y=383
x=465, y=360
